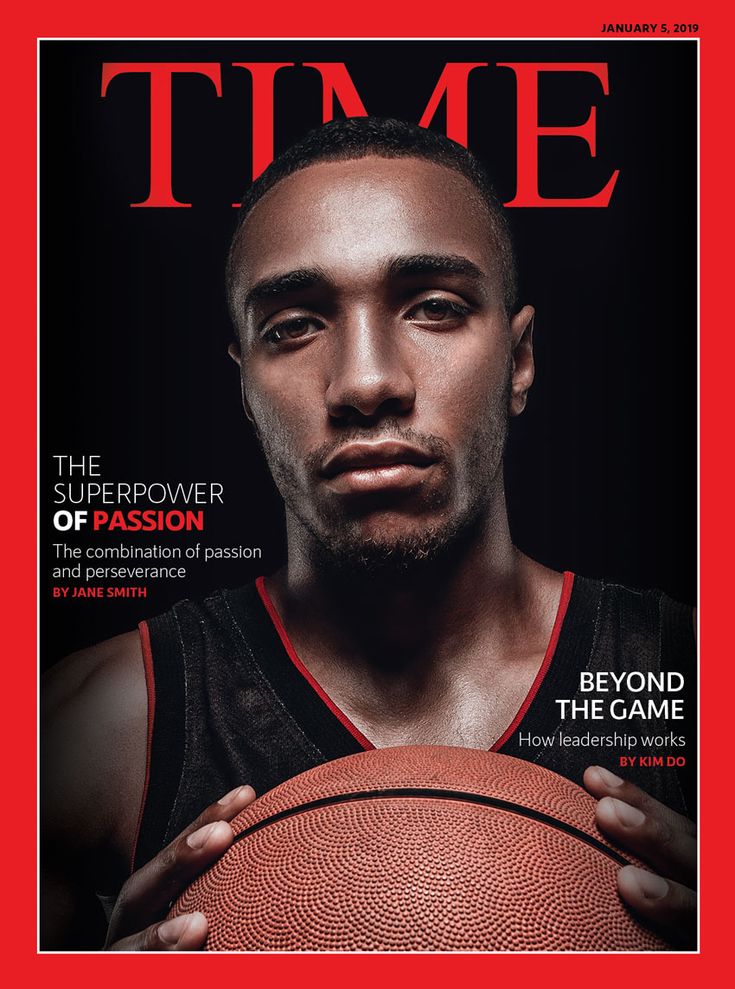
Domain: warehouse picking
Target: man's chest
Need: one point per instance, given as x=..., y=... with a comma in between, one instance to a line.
x=471, y=709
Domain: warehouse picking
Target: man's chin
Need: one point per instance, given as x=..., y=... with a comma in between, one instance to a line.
x=372, y=551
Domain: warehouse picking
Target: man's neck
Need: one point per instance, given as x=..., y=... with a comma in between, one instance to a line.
x=482, y=588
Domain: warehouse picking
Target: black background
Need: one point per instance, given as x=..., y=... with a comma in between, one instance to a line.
x=601, y=468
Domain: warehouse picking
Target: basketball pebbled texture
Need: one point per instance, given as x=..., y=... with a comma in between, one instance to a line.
x=366, y=870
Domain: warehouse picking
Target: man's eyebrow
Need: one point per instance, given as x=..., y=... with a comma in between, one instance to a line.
x=434, y=264
x=405, y=266
x=284, y=283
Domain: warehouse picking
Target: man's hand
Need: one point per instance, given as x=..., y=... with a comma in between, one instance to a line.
x=664, y=840
x=145, y=898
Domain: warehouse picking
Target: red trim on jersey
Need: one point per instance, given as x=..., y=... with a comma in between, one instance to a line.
x=566, y=593
x=283, y=634
x=150, y=685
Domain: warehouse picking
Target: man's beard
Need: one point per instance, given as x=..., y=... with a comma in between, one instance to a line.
x=350, y=553
x=338, y=543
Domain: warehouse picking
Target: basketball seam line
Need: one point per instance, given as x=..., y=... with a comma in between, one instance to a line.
x=459, y=795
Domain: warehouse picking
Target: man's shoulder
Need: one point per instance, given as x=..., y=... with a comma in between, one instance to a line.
x=94, y=711
x=112, y=666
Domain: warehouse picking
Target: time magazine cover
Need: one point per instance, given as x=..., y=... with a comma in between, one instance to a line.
x=368, y=494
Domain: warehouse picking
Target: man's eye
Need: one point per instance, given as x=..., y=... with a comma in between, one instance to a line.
x=437, y=311
x=291, y=329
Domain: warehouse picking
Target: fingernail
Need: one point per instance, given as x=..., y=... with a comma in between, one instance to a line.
x=651, y=886
x=232, y=795
x=171, y=931
x=608, y=778
x=198, y=839
x=629, y=817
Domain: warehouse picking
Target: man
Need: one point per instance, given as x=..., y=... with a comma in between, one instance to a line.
x=381, y=352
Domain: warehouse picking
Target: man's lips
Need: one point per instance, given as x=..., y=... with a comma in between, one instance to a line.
x=374, y=456
x=376, y=468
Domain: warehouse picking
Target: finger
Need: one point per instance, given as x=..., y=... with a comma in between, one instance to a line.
x=670, y=851
x=602, y=783
x=187, y=932
x=224, y=809
x=662, y=904
x=146, y=895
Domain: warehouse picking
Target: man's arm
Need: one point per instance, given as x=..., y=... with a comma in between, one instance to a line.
x=93, y=749
x=95, y=719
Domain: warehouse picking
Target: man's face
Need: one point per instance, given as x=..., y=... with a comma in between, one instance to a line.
x=377, y=361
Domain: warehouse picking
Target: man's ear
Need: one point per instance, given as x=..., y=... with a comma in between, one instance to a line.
x=521, y=332
x=233, y=349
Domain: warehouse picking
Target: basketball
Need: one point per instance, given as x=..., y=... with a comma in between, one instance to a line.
x=419, y=849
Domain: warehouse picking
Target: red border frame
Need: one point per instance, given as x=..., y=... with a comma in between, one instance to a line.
x=168, y=18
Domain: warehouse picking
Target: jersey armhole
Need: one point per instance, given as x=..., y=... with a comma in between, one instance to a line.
x=145, y=645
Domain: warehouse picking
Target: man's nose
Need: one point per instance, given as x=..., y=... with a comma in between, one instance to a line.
x=368, y=374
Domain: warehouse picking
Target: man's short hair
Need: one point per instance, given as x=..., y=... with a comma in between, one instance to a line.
x=360, y=137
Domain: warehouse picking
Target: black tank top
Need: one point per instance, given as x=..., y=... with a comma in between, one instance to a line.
x=229, y=701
